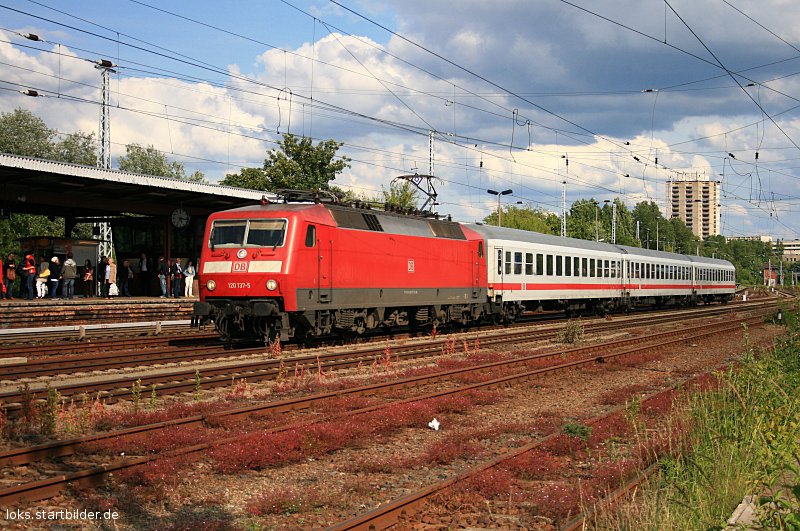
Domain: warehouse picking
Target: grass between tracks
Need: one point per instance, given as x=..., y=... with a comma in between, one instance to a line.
x=744, y=440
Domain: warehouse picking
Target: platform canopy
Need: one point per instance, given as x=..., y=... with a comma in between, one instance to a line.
x=36, y=186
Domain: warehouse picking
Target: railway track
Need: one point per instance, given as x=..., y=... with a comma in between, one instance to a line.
x=187, y=379
x=79, y=334
x=42, y=348
x=47, y=487
x=401, y=509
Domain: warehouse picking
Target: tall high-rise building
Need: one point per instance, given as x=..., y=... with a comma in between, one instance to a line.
x=697, y=204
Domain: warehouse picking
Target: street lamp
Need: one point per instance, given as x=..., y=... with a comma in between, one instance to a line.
x=499, y=212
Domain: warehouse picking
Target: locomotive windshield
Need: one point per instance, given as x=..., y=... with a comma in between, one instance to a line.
x=248, y=233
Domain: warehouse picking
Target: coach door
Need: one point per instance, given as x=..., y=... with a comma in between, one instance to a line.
x=499, y=278
x=324, y=269
x=477, y=257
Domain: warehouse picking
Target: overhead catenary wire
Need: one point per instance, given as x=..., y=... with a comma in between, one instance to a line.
x=484, y=142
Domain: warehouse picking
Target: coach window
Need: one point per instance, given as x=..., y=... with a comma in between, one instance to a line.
x=576, y=267
x=550, y=265
x=480, y=249
x=607, y=268
x=517, y=263
x=508, y=262
x=311, y=236
x=613, y=269
x=529, y=263
x=591, y=267
x=584, y=267
x=568, y=266
x=539, y=264
x=499, y=262
x=559, y=268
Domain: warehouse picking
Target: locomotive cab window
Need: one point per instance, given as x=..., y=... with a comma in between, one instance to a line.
x=266, y=232
x=251, y=233
x=228, y=233
x=311, y=236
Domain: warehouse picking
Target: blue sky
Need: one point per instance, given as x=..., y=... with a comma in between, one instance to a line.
x=633, y=94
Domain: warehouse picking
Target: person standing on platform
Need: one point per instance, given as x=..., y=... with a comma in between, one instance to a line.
x=55, y=277
x=42, y=278
x=111, y=279
x=102, y=269
x=177, y=278
x=29, y=270
x=163, y=273
x=69, y=274
x=9, y=275
x=126, y=279
x=145, y=270
x=189, y=274
x=88, y=279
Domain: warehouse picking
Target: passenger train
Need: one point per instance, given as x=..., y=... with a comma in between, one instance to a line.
x=300, y=270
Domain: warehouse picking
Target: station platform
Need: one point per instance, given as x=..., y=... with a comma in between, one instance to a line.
x=22, y=313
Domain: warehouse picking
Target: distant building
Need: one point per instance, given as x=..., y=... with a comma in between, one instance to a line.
x=791, y=250
x=759, y=238
x=696, y=203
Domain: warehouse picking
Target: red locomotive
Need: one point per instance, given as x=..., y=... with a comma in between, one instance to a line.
x=294, y=270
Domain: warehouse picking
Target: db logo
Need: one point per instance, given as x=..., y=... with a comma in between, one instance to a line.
x=240, y=267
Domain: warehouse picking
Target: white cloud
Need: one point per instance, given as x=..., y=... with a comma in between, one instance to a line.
x=574, y=72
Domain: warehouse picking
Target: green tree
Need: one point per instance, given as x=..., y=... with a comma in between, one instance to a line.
x=24, y=133
x=297, y=165
x=250, y=178
x=400, y=195
x=77, y=148
x=626, y=232
x=583, y=221
x=651, y=223
x=149, y=161
x=526, y=218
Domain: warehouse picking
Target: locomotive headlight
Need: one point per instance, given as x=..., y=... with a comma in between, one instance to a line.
x=272, y=285
x=211, y=285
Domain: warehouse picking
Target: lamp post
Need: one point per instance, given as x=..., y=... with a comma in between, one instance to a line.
x=499, y=212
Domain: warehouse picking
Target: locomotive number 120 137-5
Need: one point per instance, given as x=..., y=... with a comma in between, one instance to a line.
x=238, y=285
